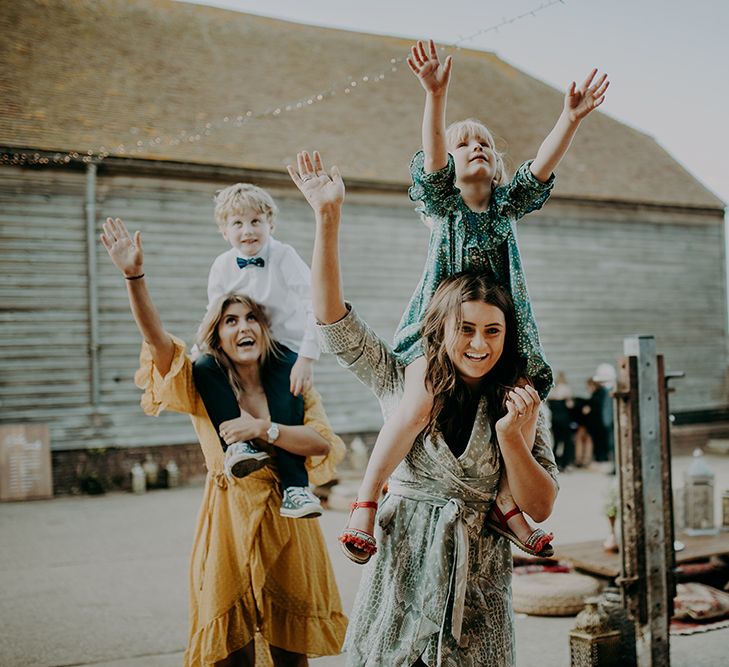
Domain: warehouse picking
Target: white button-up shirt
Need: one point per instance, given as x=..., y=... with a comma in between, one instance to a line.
x=283, y=286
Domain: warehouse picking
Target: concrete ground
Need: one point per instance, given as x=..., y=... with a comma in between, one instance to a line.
x=102, y=581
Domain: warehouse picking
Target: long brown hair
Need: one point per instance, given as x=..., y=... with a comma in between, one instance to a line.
x=208, y=339
x=441, y=322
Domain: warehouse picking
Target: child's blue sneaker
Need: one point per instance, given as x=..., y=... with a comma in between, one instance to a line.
x=242, y=458
x=300, y=503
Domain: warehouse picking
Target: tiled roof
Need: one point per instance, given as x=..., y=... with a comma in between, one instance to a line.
x=85, y=74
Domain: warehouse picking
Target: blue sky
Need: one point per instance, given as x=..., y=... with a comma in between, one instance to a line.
x=666, y=59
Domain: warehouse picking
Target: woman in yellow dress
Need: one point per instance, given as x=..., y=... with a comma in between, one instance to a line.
x=253, y=573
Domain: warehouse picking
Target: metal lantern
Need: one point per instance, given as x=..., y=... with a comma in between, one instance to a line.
x=593, y=643
x=698, y=497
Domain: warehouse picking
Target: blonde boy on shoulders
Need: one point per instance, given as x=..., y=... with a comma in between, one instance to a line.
x=272, y=274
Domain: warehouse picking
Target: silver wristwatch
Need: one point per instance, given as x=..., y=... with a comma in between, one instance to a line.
x=272, y=433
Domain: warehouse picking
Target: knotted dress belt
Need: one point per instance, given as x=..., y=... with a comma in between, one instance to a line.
x=458, y=514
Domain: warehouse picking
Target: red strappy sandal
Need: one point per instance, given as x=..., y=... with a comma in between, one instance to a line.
x=358, y=545
x=537, y=544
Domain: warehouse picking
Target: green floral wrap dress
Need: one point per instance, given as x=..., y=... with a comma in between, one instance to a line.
x=464, y=240
x=439, y=586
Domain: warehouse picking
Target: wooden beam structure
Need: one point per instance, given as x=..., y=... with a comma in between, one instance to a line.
x=648, y=560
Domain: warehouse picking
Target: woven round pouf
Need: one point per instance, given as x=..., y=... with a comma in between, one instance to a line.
x=552, y=593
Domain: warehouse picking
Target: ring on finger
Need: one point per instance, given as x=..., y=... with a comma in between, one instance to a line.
x=307, y=177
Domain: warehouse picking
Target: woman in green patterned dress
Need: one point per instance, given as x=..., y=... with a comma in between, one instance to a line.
x=439, y=592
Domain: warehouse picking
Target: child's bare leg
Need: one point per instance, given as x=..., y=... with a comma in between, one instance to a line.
x=504, y=501
x=394, y=441
x=533, y=540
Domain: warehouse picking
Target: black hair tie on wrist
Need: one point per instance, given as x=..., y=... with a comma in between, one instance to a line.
x=141, y=275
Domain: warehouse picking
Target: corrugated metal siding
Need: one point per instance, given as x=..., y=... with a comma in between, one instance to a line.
x=596, y=274
x=44, y=335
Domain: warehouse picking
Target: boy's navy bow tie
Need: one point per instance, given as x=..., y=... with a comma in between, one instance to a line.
x=255, y=261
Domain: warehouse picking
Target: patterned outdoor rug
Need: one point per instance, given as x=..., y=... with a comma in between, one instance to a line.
x=692, y=628
x=699, y=608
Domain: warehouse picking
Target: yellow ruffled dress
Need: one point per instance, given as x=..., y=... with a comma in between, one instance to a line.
x=253, y=573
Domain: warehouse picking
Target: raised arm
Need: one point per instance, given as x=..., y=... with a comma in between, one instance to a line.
x=578, y=103
x=128, y=257
x=434, y=77
x=325, y=194
x=356, y=346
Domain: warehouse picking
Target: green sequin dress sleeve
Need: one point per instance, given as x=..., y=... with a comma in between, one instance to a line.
x=465, y=240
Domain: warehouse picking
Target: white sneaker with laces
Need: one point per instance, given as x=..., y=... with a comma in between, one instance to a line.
x=242, y=458
x=300, y=503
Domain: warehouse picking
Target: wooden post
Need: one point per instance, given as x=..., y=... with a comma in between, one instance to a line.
x=647, y=522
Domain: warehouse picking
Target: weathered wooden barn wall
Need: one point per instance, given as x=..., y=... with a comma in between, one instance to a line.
x=600, y=272
x=596, y=272
x=45, y=333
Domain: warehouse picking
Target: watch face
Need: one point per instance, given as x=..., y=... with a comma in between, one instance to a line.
x=272, y=432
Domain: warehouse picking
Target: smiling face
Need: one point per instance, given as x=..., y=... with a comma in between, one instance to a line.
x=475, y=346
x=247, y=231
x=240, y=335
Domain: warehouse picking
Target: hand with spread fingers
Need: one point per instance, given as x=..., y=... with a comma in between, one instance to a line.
x=125, y=252
x=321, y=190
x=433, y=75
x=578, y=102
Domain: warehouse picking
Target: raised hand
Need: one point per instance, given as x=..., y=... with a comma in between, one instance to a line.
x=321, y=190
x=578, y=102
x=426, y=65
x=125, y=252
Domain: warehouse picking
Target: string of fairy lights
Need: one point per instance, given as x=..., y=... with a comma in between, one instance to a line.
x=347, y=86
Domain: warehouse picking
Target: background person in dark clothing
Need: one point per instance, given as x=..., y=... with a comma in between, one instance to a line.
x=600, y=417
x=560, y=404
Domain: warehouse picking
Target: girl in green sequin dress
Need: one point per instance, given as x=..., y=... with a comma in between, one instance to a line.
x=471, y=207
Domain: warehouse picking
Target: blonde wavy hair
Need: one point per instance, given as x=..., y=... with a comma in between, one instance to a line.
x=441, y=324
x=242, y=198
x=208, y=338
x=464, y=129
